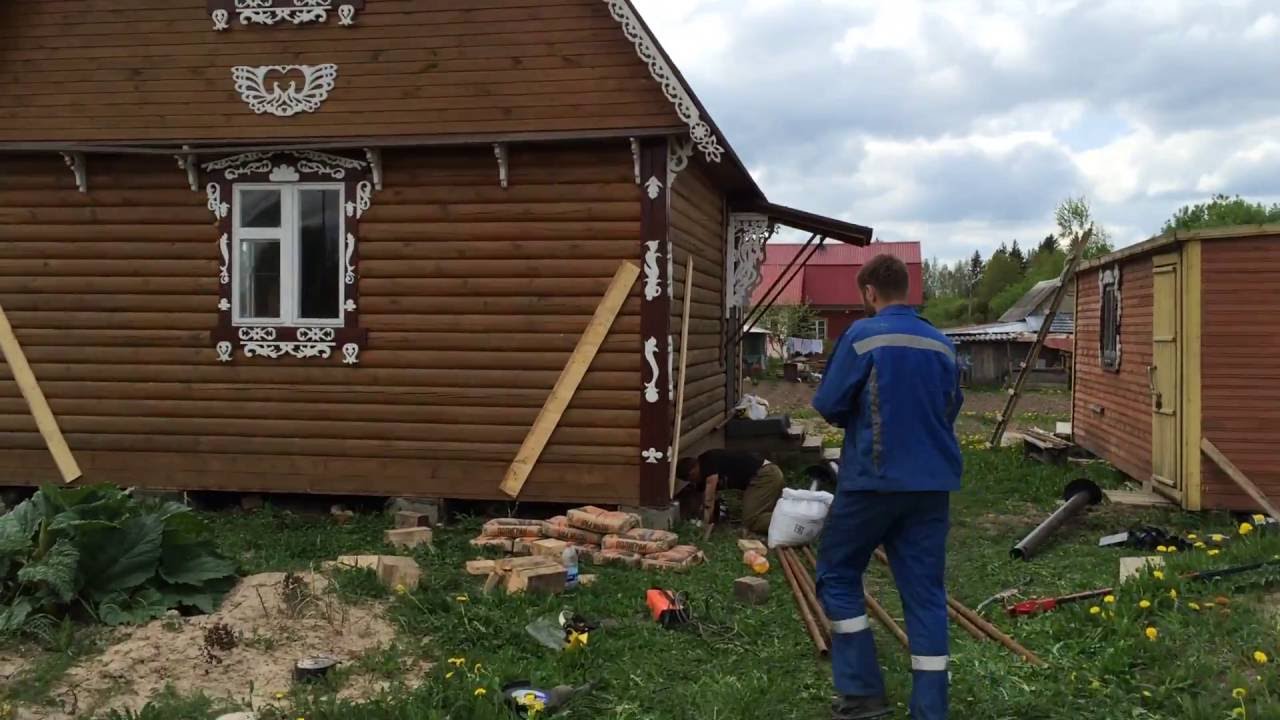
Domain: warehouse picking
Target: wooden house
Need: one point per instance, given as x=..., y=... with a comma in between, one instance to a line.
x=1174, y=346
x=347, y=246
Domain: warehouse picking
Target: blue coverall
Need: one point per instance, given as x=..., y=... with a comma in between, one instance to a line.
x=893, y=384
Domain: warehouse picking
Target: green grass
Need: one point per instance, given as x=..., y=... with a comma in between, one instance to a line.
x=758, y=663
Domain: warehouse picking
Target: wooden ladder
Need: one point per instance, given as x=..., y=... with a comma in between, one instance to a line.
x=1015, y=392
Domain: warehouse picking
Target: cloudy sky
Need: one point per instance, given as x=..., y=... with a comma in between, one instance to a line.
x=962, y=123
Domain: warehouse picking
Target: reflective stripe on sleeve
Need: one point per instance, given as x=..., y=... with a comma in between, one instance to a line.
x=852, y=625
x=930, y=663
x=862, y=347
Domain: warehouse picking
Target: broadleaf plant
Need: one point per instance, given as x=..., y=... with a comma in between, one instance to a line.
x=96, y=553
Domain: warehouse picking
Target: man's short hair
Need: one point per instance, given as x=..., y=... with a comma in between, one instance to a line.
x=888, y=275
x=685, y=468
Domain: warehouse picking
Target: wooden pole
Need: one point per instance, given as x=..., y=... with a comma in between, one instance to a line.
x=879, y=613
x=1239, y=477
x=561, y=395
x=684, y=364
x=31, y=392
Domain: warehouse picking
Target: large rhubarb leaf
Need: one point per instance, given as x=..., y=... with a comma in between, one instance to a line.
x=121, y=558
x=55, y=572
x=193, y=564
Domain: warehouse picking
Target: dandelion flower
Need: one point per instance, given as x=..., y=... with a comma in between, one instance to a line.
x=1095, y=610
x=1173, y=548
x=1110, y=599
x=1260, y=657
x=1216, y=537
x=1095, y=685
x=1194, y=606
x=1245, y=528
x=1237, y=712
x=1191, y=536
x=1259, y=519
x=1200, y=545
x=1158, y=574
x=457, y=662
x=1146, y=693
x=1162, y=548
x=1173, y=594
x=1152, y=633
x=401, y=590
x=481, y=692
x=478, y=666
x=462, y=598
x=1238, y=693
x=449, y=674
x=1144, y=604
x=1214, y=552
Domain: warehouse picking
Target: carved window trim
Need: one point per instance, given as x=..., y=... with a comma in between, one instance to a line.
x=1109, y=319
x=225, y=13
x=317, y=339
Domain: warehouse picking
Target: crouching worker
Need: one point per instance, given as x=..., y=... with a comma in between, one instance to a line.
x=760, y=481
x=892, y=383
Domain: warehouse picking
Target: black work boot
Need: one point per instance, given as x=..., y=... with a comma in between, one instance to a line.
x=856, y=707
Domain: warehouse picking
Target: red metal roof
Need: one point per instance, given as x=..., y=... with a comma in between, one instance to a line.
x=830, y=276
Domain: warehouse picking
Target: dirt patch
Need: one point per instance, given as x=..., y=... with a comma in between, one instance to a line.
x=245, y=651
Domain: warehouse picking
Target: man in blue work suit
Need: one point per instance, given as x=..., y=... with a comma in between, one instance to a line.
x=892, y=383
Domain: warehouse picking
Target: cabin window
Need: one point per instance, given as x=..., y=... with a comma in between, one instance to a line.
x=288, y=244
x=820, y=329
x=1109, y=326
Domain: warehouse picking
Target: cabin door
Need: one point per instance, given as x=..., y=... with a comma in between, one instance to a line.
x=1165, y=376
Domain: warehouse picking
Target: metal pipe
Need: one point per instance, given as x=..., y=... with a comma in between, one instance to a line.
x=1078, y=495
x=810, y=624
x=879, y=613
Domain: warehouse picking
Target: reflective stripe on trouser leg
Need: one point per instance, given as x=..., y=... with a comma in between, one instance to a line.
x=850, y=626
x=930, y=663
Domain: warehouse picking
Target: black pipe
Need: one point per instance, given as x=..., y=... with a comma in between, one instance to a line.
x=1078, y=495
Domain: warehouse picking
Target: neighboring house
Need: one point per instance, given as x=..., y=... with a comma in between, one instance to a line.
x=992, y=354
x=347, y=246
x=828, y=282
x=1176, y=343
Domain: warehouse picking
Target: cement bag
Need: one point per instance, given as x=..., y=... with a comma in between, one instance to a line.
x=512, y=528
x=640, y=540
x=798, y=517
x=559, y=528
x=604, y=522
x=754, y=407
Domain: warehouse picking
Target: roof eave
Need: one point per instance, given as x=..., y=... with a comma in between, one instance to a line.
x=821, y=225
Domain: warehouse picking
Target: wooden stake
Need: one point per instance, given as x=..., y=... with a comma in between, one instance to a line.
x=684, y=363
x=45, y=421
x=561, y=395
x=1239, y=477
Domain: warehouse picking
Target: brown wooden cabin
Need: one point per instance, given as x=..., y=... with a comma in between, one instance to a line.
x=1178, y=339
x=349, y=247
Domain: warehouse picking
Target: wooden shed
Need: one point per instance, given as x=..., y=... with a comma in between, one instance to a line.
x=347, y=246
x=1176, y=342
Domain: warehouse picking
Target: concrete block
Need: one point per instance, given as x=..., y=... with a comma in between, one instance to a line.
x=395, y=572
x=656, y=518
x=409, y=538
x=1132, y=567
x=480, y=567
x=358, y=562
x=507, y=565
x=548, y=580
x=549, y=548
x=751, y=590
x=409, y=519
x=521, y=546
x=488, y=543
x=431, y=507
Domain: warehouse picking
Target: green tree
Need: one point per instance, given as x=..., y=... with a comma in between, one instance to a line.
x=1015, y=252
x=1048, y=244
x=1222, y=211
x=1075, y=218
x=1001, y=272
x=787, y=321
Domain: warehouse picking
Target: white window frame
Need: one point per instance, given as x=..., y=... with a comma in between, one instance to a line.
x=820, y=329
x=290, y=256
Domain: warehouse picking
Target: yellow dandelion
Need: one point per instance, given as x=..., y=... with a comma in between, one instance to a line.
x=1158, y=574
x=481, y=692
x=462, y=599
x=1110, y=599
x=1173, y=548
x=1162, y=548
x=449, y=674
x=1144, y=604
x=1216, y=537
x=1245, y=528
x=1095, y=685
x=1173, y=594
x=1191, y=536
x=1259, y=519
x=1201, y=545
x=457, y=662
x=279, y=695
x=1095, y=610
x=1152, y=633
x=1194, y=606
x=401, y=590
x=1260, y=657
x=1238, y=693
x=1214, y=552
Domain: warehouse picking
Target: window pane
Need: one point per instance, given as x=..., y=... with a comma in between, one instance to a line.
x=320, y=254
x=259, y=277
x=259, y=208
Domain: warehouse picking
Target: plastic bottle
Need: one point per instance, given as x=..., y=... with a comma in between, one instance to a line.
x=756, y=561
x=570, y=561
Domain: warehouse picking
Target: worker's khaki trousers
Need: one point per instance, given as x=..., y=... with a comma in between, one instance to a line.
x=761, y=495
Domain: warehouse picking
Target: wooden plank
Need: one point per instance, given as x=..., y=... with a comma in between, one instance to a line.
x=684, y=363
x=45, y=421
x=575, y=370
x=1238, y=477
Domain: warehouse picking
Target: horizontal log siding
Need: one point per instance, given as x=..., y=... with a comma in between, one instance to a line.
x=697, y=229
x=1112, y=410
x=1240, y=357
x=474, y=298
x=156, y=70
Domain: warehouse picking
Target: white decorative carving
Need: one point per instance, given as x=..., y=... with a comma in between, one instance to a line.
x=215, y=204
x=189, y=163
x=224, y=351
x=651, y=393
x=224, y=270
x=350, y=354
x=652, y=456
x=653, y=187
x=267, y=334
x=652, y=273
x=671, y=367
x=635, y=158
x=221, y=21
x=335, y=166
x=500, y=152
x=75, y=161
x=748, y=234
x=350, y=305
x=284, y=173
x=661, y=70
x=350, y=276
x=278, y=350
x=316, y=334
x=317, y=82
x=364, y=198
x=679, y=151
x=224, y=304
x=375, y=164
x=346, y=15
x=262, y=12
x=671, y=274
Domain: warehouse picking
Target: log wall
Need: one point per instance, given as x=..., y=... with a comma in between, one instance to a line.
x=473, y=296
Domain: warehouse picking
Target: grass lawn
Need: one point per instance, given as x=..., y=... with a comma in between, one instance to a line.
x=759, y=663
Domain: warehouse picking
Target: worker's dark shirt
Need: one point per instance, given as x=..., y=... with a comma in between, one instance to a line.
x=735, y=468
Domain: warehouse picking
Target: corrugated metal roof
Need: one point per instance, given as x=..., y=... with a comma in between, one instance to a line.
x=830, y=254
x=1027, y=304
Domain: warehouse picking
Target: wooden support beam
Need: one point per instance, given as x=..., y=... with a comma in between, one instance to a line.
x=684, y=365
x=1239, y=477
x=45, y=421
x=561, y=395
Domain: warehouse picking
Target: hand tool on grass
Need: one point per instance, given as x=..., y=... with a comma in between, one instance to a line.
x=1078, y=495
